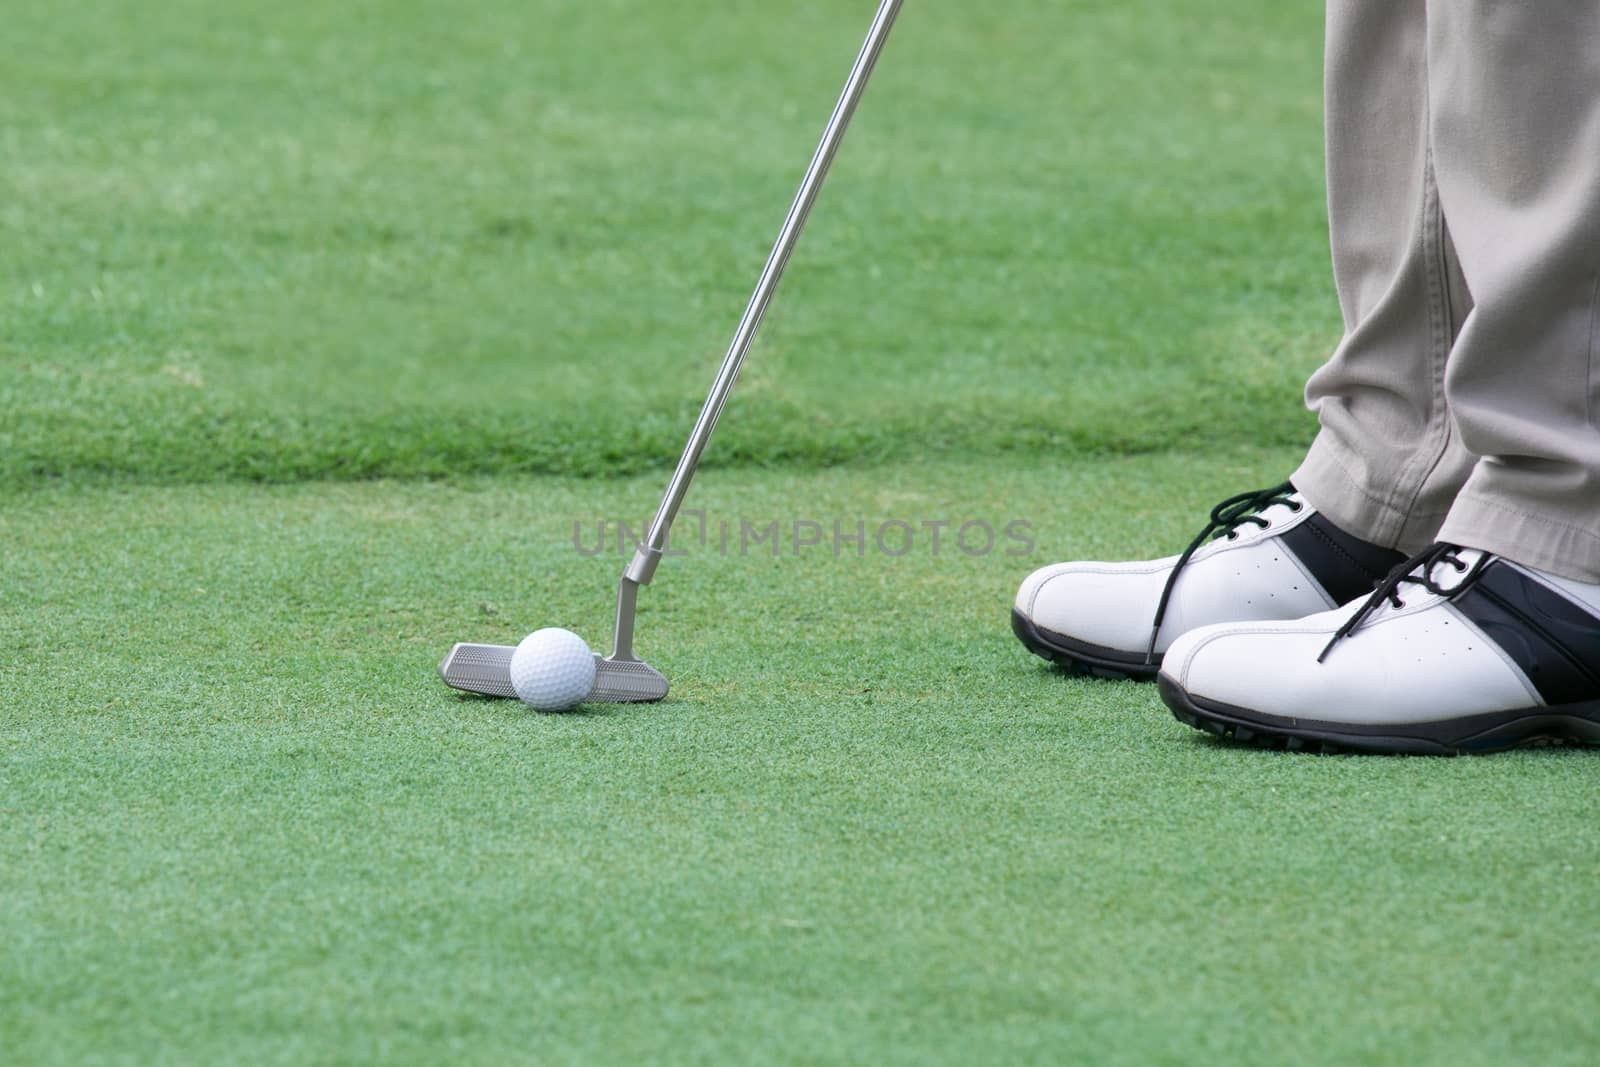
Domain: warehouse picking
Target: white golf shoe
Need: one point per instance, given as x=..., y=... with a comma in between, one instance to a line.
x=1265, y=555
x=1458, y=651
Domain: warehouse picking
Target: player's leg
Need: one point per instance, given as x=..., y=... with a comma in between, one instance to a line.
x=1516, y=130
x=1386, y=463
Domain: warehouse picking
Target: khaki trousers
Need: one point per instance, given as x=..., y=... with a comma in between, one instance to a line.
x=1463, y=157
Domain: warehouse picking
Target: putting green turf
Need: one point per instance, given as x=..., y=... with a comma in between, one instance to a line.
x=1072, y=256
x=242, y=820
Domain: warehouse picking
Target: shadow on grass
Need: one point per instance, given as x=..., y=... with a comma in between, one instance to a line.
x=582, y=711
x=1534, y=748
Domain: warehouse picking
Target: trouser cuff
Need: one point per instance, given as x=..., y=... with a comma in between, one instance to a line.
x=1533, y=540
x=1337, y=483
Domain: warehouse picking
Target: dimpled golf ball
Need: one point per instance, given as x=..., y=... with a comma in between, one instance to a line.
x=552, y=669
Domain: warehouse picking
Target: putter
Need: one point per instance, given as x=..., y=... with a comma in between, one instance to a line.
x=622, y=677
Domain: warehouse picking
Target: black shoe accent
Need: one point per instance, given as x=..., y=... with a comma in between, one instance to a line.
x=1418, y=570
x=1577, y=722
x=1344, y=565
x=1081, y=657
x=1555, y=641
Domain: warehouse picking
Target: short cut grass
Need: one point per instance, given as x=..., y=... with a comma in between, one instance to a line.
x=242, y=822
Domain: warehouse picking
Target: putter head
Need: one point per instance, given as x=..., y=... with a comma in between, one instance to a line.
x=486, y=671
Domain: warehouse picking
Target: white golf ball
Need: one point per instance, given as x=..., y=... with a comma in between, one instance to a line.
x=552, y=669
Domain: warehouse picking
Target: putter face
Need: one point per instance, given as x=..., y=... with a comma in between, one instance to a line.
x=626, y=681
x=486, y=671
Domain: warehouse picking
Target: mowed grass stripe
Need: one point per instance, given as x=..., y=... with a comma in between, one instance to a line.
x=286, y=241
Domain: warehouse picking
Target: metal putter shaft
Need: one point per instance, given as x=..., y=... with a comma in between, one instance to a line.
x=622, y=677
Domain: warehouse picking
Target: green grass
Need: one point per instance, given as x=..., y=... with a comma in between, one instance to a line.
x=322, y=324
x=277, y=242
x=242, y=822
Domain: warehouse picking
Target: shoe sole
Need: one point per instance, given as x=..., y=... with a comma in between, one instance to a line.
x=1491, y=732
x=1080, y=657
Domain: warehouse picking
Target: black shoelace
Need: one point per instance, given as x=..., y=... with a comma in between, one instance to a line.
x=1389, y=589
x=1226, y=518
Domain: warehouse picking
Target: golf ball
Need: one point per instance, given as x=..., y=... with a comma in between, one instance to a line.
x=552, y=669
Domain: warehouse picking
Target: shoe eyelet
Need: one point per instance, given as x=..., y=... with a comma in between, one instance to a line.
x=1232, y=536
x=1297, y=507
x=1458, y=565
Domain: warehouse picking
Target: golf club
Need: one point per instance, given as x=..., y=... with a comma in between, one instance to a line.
x=622, y=677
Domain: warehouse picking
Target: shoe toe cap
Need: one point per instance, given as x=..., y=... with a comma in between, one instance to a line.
x=1225, y=660
x=1105, y=604
x=1028, y=591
